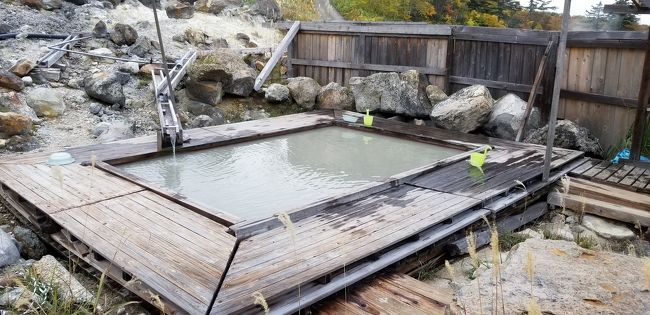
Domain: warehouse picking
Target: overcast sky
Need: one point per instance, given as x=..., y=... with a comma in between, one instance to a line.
x=578, y=7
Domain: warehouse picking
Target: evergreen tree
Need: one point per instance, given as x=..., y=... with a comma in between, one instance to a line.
x=623, y=22
x=540, y=5
x=597, y=17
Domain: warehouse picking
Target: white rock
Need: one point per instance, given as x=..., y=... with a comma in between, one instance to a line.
x=607, y=228
x=102, y=52
x=130, y=67
x=50, y=271
x=46, y=102
x=28, y=80
x=530, y=233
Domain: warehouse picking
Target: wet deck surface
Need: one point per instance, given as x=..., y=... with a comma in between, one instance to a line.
x=179, y=254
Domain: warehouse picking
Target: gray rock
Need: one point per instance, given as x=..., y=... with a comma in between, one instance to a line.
x=96, y=109
x=106, y=87
x=267, y=8
x=11, y=296
x=216, y=6
x=193, y=107
x=46, y=102
x=607, y=228
x=113, y=131
x=435, y=94
x=465, y=110
x=130, y=67
x=196, y=37
x=100, y=30
x=123, y=34
x=205, y=121
x=103, y=51
x=10, y=81
x=567, y=279
x=223, y=66
x=304, y=91
x=28, y=80
x=21, y=143
x=208, y=92
x=22, y=67
x=141, y=47
x=568, y=135
x=276, y=93
x=5, y=28
x=243, y=37
x=52, y=4
x=335, y=96
x=179, y=10
x=15, y=102
x=50, y=271
x=507, y=115
x=530, y=233
x=30, y=245
x=14, y=124
x=9, y=253
x=391, y=93
x=255, y=115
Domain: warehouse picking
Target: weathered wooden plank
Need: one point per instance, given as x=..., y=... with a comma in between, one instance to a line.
x=516, y=87
x=277, y=54
x=620, y=174
x=600, y=208
x=631, y=177
x=368, y=67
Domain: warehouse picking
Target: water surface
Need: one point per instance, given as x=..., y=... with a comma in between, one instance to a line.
x=258, y=179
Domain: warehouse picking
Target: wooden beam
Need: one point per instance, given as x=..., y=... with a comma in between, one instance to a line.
x=370, y=67
x=284, y=44
x=531, y=96
x=641, y=117
x=559, y=75
x=599, y=98
x=516, y=87
x=399, y=28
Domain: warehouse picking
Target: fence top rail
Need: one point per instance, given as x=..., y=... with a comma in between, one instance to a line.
x=460, y=31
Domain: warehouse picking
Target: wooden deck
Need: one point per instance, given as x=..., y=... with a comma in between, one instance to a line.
x=159, y=244
x=622, y=175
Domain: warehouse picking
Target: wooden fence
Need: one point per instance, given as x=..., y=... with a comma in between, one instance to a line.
x=601, y=83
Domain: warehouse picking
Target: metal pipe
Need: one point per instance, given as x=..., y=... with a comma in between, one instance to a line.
x=140, y=61
x=68, y=41
x=162, y=53
x=34, y=35
x=223, y=276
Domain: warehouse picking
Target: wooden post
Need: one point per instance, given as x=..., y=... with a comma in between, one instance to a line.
x=277, y=54
x=559, y=73
x=533, y=92
x=641, y=107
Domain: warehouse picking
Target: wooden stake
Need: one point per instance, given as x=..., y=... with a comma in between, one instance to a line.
x=533, y=91
x=559, y=73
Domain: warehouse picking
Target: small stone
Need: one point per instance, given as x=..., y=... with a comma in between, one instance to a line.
x=100, y=30
x=242, y=37
x=50, y=271
x=22, y=67
x=30, y=245
x=9, y=253
x=11, y=81
x=276, y=93
x=52, y=4
x=196, y=37
x=11, y=297
x=607, y=228
x=130, y=67
x=102, y=52
x=530, y=233
x=123, y=34
x=14, y=124
x=179, y=10
x=96, y=108
x=46, y=102
x=27, y=80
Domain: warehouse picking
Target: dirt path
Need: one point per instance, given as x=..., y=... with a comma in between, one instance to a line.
x=327, y=11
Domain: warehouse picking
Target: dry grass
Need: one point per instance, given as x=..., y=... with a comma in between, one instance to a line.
x=450, y=271
x=299, y=10
x=476, y=262
x=258, y=299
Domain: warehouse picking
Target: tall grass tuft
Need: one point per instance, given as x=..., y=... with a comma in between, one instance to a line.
x=476, y=263
x=496, y=264
x=285, y=219
x=646, y=272
x=57, y=171
x=565, y=181
x=258, y=299
x=450, y=271
x=533, y=308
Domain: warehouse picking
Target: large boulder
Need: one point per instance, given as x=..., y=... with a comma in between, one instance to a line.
x=335, y=96
x=10, y=81
x=216, y=6
x=267, y=8
x=208, y=92
x=276, y=93
x=22, y=67
x=179, y=10
x=566, y=279
x=106, y=87
x=507, y=116
x=46, y=102
x=304, y=91
x=30, y=245
x=236, y=77
x=568, y=135
x=14, y=124
x=9, y=253
x=465, y=110
x=123, y=34
x=49, y=270
x=607, y=228
x=15, y=102
x=196, y=37
x=100, y=30
x=391, y=93
x=435, y=94
x=141, y=47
